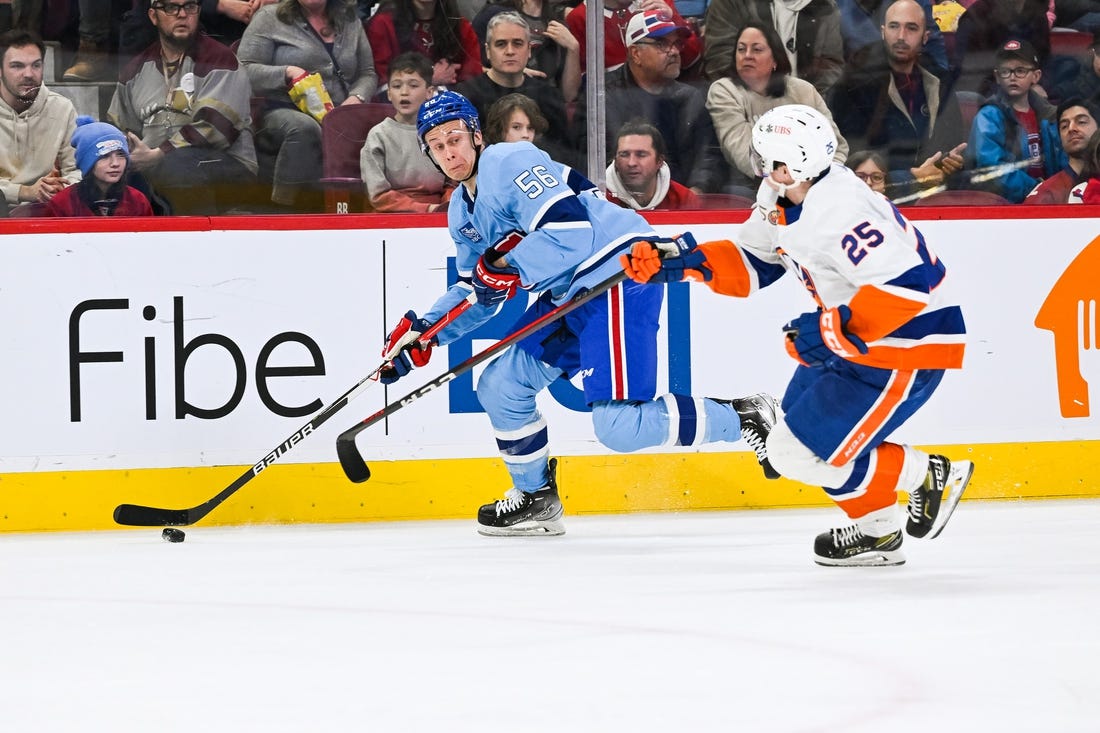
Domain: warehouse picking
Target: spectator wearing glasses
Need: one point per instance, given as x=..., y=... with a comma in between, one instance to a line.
x=616, y=16
x=869, y=167
x=184, y=104
x=283, y=43
x=1015, y=134
x=985, y=27
x=36, y=160
x=647, y=87
x=222, y=20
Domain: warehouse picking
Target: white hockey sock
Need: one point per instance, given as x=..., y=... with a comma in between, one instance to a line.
x=913, y=469
x=880, y=522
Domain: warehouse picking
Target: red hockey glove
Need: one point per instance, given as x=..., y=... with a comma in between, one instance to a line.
x=814, y=338
x=666, y=261
x=494, y=285
x=403, y=348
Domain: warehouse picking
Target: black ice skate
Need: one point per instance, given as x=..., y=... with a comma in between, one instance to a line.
x=848, y=546
x=758, y=414
x=521, y=514
x=928, y=508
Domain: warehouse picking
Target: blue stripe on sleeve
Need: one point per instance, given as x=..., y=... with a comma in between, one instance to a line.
x=766, y=272
x=947, y=320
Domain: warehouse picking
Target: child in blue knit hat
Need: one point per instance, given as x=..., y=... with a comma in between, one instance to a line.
x=103, y=158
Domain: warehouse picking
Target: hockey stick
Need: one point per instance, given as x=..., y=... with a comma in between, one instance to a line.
x=978, y=175
x=351, y=460
x=148, y=516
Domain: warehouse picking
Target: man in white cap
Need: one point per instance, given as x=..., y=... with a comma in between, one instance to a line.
x=616, y=17
x=646, y=87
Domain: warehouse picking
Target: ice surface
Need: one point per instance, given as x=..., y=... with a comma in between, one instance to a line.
x=663, y=622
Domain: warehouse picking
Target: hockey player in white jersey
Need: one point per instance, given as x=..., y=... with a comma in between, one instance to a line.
x=884, y=331
x=521, y=221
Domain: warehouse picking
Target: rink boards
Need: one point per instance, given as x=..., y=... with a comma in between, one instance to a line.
x=155, y=366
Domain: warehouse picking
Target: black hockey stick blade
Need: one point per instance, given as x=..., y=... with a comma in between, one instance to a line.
x=351, y=460
x=355, y=468
x=135, y=515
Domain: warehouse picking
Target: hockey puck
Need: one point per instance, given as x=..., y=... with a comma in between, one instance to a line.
x=171, y=534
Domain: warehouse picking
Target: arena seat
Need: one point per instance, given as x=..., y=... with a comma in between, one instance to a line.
x=1068, y=42
x=969, y=104
x=963, y=198
x=28, y=209
x=724, y=201
x=343, y=132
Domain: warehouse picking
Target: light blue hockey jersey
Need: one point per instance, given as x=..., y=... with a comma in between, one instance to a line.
x=572, y=239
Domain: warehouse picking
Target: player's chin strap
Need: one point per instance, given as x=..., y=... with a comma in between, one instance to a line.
x=769, y=193
x=477, y=159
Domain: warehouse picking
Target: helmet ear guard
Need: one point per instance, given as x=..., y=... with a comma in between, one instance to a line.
x=797, y=136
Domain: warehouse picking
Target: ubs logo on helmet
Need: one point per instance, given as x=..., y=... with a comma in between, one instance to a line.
x=778, y=129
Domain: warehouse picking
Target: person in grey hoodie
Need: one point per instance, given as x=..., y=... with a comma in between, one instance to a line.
x=36, y=160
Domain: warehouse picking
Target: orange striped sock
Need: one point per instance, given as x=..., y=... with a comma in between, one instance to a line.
x=881, y=490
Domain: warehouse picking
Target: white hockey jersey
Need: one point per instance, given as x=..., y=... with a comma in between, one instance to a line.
x=850, y=245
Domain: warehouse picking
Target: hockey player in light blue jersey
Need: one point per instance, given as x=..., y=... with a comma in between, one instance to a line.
x=521, y=221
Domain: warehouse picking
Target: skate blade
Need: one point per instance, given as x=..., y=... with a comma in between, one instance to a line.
x=552, y=528
x=957, y=480
x=878, y=558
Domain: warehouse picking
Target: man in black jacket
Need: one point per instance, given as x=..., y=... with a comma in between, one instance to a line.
x=508, y=47
x=904, y=111
x=646, y=87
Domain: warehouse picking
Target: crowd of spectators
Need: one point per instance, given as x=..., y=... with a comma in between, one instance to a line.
x=218, y=106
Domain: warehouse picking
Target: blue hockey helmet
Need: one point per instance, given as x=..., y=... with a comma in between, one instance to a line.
x=444, y=107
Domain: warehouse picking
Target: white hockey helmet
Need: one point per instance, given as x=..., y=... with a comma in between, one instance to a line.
x=796, y=135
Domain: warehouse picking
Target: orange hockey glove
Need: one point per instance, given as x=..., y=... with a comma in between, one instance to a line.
x=666, y=261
